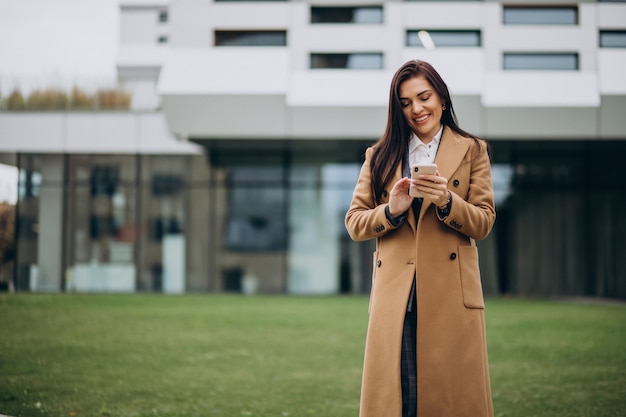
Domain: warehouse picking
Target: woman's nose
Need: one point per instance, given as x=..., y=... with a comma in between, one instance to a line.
x=417, y=107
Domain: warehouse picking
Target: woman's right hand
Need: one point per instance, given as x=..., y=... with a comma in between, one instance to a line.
x=399, y=198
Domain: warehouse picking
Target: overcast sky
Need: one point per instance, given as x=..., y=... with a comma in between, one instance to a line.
x=58, y=38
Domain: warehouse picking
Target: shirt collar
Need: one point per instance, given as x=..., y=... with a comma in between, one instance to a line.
x=415, y=142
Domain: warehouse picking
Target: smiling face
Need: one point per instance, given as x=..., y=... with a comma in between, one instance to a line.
x=422, y=107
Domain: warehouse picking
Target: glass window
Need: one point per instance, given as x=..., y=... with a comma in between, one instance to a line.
x=322, y=259
x=250, y=38
x=101, y=224
x=540, y=61
x=613, y=39
x=358, y=15
x=523, y=15
x=443, y=38
x=163, y=216
x=257, y=218
x=27, y=221
x=367, y=61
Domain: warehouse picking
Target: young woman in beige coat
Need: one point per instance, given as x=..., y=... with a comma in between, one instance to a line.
x=425, y=352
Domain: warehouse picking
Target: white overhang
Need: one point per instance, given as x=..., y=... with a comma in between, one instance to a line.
x=541, y=89
x=90, y=132
x=243, y=93
x=252, y=93
x=330, y=88
x=141, y=56
x=144, y=3
x=238, y=71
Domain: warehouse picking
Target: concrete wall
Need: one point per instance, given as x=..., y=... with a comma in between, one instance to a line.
x=89, y=132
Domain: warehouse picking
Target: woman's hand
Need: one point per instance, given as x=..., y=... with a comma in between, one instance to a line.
x=434, y=187
x=399, y=198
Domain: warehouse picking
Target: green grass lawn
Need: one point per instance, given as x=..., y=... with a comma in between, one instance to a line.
x=226, y=355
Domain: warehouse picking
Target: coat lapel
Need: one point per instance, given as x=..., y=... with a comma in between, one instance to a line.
x=452, y=150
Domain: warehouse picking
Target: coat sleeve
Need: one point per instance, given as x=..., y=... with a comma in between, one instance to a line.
x=475, y=215
x=365, y=219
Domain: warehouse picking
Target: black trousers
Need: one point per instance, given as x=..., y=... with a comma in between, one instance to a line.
x=408, y=360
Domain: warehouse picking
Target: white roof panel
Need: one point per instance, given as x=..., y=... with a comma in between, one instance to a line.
x=339, y=88
x=541, y=89
x=237, y=71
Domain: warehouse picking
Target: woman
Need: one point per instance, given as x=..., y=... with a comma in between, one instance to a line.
x=425, y=352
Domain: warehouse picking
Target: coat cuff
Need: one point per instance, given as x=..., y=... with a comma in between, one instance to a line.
x=395, y=221
x=442, y=214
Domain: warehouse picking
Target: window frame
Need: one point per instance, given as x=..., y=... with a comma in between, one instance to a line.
x=575, y=55
x=415, y=32
x=353, y=9
x=319, y=55
x=163, y=17
x=538, y=8
x=611, y=32
x=217, y=33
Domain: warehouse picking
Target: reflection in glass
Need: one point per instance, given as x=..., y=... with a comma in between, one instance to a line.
x=250, y=38
x=362, y=61
x=613, y=39
x=541, y=61
x=523, y=15
x=101, y=227
x=446, y=38
x=347, y=15
x=256, y=209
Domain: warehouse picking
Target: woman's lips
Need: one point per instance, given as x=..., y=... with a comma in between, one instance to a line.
x=421, y=119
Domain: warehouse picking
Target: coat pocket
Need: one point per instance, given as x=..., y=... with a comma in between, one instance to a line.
x=470, y=277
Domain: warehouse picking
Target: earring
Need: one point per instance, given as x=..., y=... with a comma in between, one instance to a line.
x=443, y=107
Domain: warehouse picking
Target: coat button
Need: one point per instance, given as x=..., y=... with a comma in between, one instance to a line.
x=452, y=256
x=455, y=183
x=378, y=263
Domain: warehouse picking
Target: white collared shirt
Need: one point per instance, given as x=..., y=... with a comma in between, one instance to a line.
x=420, y=153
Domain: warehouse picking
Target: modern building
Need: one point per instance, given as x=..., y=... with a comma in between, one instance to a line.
x=249, y=120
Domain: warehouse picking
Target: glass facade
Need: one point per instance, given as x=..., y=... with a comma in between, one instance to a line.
x=167, y=223
x=101, y=221
x=268, y=217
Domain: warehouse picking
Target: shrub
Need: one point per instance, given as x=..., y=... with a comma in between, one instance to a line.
x=81, y=100
x=15, y=101
x=113, y=99
x=48, y=99
x=77, y=99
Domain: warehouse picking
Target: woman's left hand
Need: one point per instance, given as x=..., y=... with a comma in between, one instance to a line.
x=434, y=187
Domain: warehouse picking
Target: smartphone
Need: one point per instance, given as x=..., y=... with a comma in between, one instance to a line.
x=416, y=170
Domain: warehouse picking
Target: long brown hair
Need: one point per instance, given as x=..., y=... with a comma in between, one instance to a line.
x=391, y=148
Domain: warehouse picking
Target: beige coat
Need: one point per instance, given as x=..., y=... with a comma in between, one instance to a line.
x=452, y=368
